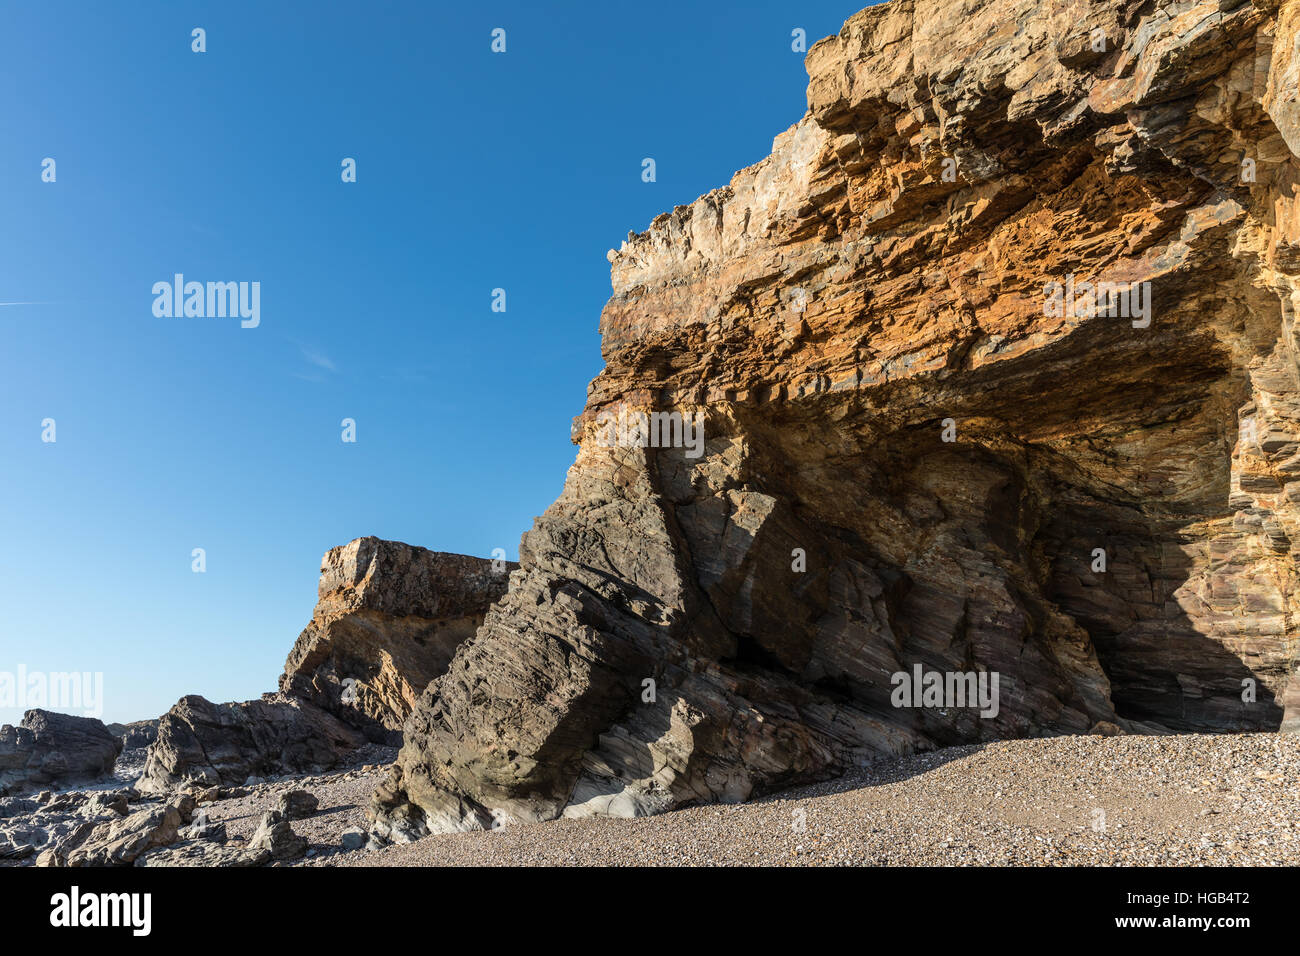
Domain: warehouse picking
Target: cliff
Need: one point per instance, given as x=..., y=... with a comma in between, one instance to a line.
x=995, y=362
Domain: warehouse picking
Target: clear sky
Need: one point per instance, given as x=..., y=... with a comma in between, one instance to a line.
x=475, y=171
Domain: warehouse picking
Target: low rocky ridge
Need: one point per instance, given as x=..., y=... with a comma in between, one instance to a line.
x=909, y=458
x=48, y=749
x=388, y=619
x=225, y=744
x=267, y=822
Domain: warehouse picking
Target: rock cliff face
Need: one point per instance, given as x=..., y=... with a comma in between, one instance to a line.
x=925, y=443
x=388, y=620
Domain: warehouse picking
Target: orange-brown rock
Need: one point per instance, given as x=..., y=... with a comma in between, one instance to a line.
x=388, y=619
x=917, y=450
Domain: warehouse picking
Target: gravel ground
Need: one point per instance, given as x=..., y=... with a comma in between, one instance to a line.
x=1125, y=800
x=343, y=798
x=1163, y=801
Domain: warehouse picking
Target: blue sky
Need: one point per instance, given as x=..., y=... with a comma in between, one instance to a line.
x=474, y=171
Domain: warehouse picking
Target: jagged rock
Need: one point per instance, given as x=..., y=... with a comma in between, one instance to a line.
x=388, y=620
x=139, y=734
x=202, y=827
x=114, y=801
x=395, y=819
x=14, y=848
x=225, y=744
x=275, y=836
x=119, y=842
x=16, y=806
x=202, y=853
x=912, y=453
x=49, y=748
x=297, y=804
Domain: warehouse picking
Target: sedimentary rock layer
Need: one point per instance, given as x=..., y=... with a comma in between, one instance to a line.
x=917, y=449
x=388, y=619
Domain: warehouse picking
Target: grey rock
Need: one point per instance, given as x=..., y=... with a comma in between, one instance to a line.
x=297, y=804
x=119, y=842
x=48, y=748
x=202, y=827
x=114, y=801
x=203, y=853
x=229, y=744
x=276, y=837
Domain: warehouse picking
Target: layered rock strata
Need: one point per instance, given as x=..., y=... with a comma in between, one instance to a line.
x=923, y=444
x=388, y=619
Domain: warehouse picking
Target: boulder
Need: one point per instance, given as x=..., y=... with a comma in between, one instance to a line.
x=201, y=827
x=225, y=744
x=49, y=749
x=139, y=734
x=275, y=837
x=297, y=804
x=119, y=842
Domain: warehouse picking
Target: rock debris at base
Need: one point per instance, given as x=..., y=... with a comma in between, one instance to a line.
x=1062, y=801
x=1131, y=800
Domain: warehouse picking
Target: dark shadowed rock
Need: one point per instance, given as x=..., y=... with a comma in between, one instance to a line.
x=49, y=749
x=225, y=744
x=388, y=620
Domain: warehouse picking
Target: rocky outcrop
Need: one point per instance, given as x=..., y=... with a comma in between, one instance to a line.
x=224, y=744
x=995, y=363
x=136, y=735
x=48, y=749
x=388, y=620
x=119, y=840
